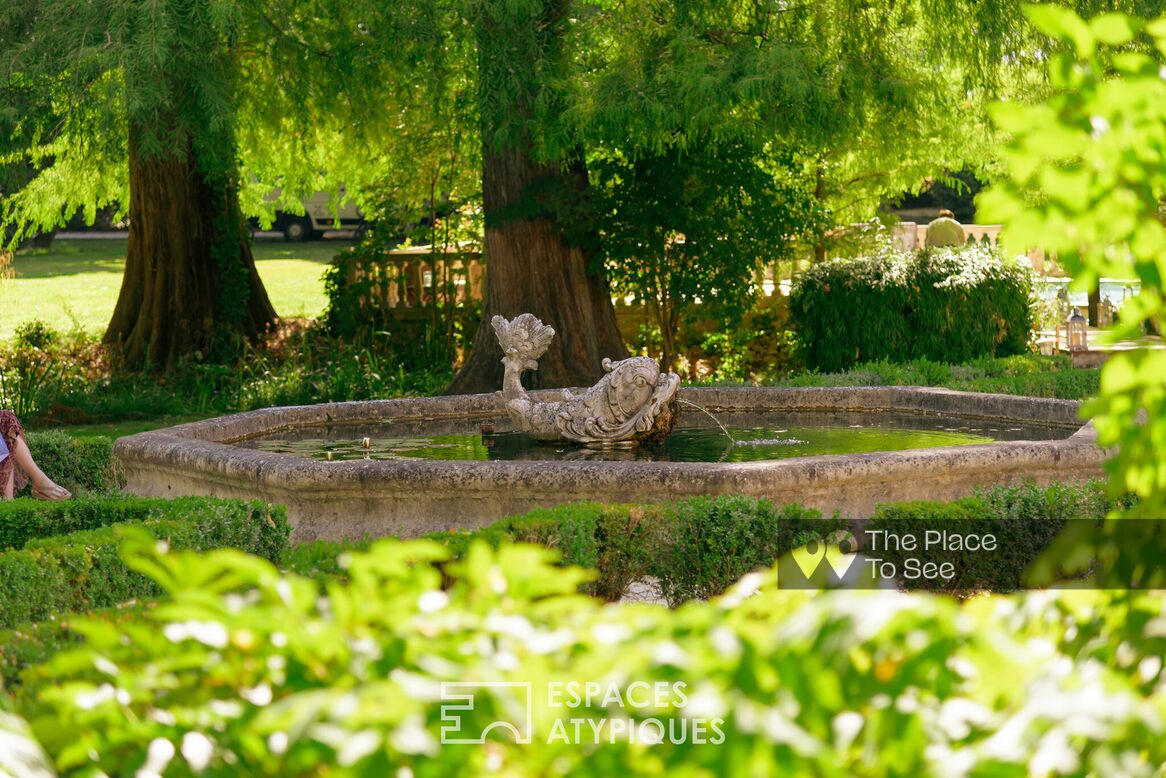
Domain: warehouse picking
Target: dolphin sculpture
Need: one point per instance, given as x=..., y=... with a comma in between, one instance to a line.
x=635, y=402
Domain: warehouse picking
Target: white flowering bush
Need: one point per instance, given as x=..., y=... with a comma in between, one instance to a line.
x=247, y=671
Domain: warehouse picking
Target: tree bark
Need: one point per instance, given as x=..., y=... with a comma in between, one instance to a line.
x=820, y=196
x=531, y=268
x=190, y=283
x=43, y=240
x=1094, y=304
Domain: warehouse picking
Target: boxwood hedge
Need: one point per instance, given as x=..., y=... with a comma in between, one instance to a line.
x=42, y=573
x=692, y=548
x=81, y=465
x=696, y=548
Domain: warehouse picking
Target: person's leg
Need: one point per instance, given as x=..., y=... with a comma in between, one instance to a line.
x=11, y=479
x=18, y=468
x=41, y=483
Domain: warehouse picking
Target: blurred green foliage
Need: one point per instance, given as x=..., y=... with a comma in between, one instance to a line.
x=1086, y=180
x=247, y=671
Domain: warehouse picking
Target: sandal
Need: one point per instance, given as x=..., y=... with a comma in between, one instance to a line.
x=52, y=492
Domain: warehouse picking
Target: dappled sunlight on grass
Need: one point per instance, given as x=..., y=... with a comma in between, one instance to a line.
x=74, y=284
x=71, y=257
x=116, y=429
x=318, y=251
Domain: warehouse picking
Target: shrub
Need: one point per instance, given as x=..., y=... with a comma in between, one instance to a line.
x=25, y=520
x=712, y=542
x=1024, y=519
x=618, y=541
x=286, y=682
x=320, y=559
x=696, y=548
x=947, y=305
x=34, y=333
x=312, y=368
x=693, y=548
x=296, y=365
x=30, y=379
x=40, y=576
x=80, y=465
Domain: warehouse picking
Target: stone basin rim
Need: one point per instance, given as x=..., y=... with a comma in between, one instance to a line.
x=204, y=442
x=911, y=399
x=348, y=499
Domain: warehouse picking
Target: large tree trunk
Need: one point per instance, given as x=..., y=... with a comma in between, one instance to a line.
x=531, y=267
x=190, y=284
x=43, y=240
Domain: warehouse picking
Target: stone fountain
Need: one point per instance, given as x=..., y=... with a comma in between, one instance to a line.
x=592, y=450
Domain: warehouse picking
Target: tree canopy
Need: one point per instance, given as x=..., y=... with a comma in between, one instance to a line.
x=134, y=102
x=410, y=100
x=849, y=86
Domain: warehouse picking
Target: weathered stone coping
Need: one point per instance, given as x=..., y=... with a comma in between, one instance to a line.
x=353, y=498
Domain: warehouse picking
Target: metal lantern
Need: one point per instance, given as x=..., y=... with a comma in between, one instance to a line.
x=1075, y=332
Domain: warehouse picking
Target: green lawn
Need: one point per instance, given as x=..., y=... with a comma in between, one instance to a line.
x=116, y=429
x=75, y=283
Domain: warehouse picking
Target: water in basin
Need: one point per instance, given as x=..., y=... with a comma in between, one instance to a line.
x=756, y=437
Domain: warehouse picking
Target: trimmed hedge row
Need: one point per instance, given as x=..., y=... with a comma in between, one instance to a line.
x=948, y=305
x=25, y=520
x=694, y=548
x=697, y=548
x=40, y=576
x=1024, y=520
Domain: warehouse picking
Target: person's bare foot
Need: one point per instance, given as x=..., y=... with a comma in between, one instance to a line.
x=50, y=491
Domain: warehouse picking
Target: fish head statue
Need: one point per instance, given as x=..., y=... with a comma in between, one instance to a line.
x=633, y=383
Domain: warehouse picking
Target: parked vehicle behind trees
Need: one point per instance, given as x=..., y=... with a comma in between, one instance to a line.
x=319, y=216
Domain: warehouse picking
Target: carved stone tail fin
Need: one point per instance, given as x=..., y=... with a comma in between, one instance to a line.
x=523, y=339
